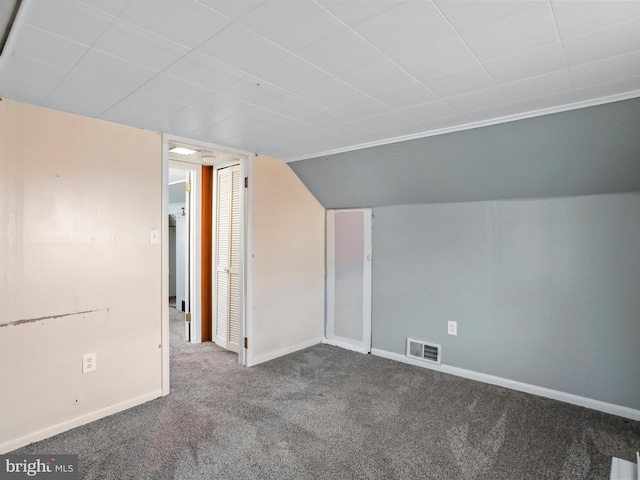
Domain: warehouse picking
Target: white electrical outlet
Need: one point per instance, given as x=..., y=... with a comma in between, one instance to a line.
x=89, y=363
x=453, y=328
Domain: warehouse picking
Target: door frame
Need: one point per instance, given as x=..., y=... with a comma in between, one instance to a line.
x=246, y=246
x=192, y=282
x=365, y=345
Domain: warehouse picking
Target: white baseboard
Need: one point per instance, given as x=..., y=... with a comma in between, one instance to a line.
x=605, y=407
x=76, y=422
x=345, y=345
x=283, y=351
x=623, y=469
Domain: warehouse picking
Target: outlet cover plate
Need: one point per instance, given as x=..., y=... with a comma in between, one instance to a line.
x=89, y=363
x=453, y=328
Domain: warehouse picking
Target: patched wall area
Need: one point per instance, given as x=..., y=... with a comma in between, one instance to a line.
x=78, y=198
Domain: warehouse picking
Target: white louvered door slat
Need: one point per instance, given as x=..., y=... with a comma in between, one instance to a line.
x=234, y=312
x=234, y=258
x=222, y=310
x=235, y=220
x=224, y=200
x=227, y=258
x=223, y=204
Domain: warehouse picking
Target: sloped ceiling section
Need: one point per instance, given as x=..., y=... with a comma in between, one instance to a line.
x=589, y=151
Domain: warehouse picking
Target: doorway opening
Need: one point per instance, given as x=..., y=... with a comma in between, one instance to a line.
x=205, y=227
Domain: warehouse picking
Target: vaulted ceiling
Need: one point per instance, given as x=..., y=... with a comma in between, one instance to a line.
x=588, y=151
x=300, y=78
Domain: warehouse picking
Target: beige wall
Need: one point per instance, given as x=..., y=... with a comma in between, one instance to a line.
x=288, y=263
x=78, y=197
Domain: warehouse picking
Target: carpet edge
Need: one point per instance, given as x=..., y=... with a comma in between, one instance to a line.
x=591, y=403
x=77, y=421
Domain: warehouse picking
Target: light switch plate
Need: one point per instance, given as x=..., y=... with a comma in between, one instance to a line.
x=154, y=237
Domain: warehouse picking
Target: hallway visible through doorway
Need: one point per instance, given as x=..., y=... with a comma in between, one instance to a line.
x=205, y=202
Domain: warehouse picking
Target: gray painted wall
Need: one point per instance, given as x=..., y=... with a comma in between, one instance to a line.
x=177, y=193
x=589, y=151
x=545, y=292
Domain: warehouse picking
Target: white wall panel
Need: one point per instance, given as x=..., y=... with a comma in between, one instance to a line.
x=288, y=263
x=77, y=200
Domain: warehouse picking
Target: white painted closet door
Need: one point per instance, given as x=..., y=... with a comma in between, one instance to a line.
x=227, y=259
x=349, y=278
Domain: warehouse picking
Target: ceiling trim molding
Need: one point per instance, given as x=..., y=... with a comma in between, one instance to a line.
x=478, y=124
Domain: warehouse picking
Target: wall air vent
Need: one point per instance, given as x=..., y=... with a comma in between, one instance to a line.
x=427, y=352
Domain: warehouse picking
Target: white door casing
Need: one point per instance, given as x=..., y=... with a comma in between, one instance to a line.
x=207, y=151
x=188, y=257
x=191, y=249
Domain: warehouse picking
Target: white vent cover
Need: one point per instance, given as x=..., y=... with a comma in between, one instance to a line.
x=427, y=352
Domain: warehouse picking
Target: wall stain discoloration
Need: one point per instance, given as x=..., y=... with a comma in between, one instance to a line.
x=31, y=320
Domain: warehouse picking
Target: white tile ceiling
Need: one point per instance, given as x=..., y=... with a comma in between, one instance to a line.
x=299, y=78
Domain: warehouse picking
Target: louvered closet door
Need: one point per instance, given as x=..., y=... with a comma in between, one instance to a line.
x=227, y=258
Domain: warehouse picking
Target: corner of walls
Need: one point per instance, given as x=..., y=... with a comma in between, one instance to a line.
x=288, y=263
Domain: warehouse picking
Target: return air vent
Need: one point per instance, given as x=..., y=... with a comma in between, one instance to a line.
x=427, y=352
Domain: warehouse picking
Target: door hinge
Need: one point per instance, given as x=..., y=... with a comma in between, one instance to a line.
x=246, y=342
x=246, y=182
x=187, y=186
x=187, y=317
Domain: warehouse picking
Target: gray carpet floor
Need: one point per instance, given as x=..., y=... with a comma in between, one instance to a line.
x=328, y=413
